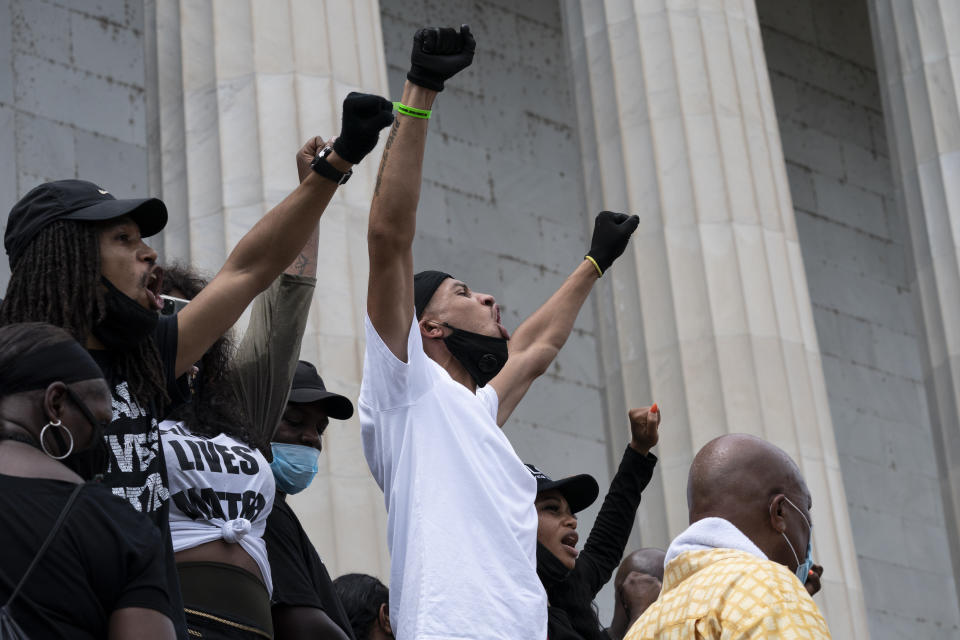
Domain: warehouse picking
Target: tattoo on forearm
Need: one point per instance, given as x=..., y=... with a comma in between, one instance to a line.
x=386, y=152
x=300, y=264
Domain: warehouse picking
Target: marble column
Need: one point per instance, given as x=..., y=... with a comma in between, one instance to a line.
x=242, y=84
x=918, y=59
x=710, y=312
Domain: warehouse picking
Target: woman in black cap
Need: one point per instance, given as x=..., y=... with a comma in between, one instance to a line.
x=75, y=560
x=572, y=578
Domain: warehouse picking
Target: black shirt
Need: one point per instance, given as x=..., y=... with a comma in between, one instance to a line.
x=136, y=471
x=299, y=577
x=604, y=547
x=105, y=557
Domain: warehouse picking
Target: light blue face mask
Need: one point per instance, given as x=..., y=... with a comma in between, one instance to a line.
x=803, y=569
x=294, y=466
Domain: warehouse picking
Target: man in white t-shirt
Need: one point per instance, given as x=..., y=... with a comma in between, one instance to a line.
x=461, y=524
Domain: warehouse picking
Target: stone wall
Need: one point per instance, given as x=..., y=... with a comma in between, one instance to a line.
x=853, y=237
x=502, y=208
x=72, y=98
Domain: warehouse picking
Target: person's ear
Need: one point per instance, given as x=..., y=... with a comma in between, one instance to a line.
x=383, y=618
x=431, y=329
x=777, y=521
x=53, y=400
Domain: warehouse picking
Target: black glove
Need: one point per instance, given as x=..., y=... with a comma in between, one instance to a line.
x=438, y=54
x=611, y=232
x=364, y=115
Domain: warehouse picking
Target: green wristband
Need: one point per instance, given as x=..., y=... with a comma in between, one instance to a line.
x=413, y=112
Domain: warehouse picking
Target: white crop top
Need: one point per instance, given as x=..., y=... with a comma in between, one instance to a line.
x=220, y=488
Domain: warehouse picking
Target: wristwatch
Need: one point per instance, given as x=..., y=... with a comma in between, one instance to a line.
x=327, y=170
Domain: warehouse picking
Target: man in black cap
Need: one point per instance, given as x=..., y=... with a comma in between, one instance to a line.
x=78, y=261
x=305, y=604
x=430, y=422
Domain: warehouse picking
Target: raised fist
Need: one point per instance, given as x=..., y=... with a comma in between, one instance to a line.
x=364, y=115
x=439, y=53
x=644, y=428
x=306, y=154
x=611, y=232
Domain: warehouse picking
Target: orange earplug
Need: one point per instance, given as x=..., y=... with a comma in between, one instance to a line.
x=654, y=409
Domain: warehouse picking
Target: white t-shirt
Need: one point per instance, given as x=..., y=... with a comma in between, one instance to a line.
x=220, y=488
x=461, y=525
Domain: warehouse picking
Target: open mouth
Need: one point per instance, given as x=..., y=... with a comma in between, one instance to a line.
x=153, y=284
x=503, y=330
x=569, y=543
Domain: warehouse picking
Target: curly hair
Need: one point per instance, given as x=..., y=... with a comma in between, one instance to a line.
x=56, y=280
x=215, y=408
x=361, y=596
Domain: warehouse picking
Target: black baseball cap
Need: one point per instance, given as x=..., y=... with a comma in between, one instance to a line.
x=75, y=200
x=579, y=491
x=308, y=388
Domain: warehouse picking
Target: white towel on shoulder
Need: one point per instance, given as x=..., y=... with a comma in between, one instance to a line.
x=711, y=533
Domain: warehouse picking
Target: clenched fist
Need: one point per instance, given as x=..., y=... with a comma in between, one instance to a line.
x=644, y=428
x=306, y=154
x=364, y=116
x=611, y=232
x=439, y=53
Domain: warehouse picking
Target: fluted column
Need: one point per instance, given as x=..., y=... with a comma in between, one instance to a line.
x=711, y=314
x=242, y=84
x=918, y=59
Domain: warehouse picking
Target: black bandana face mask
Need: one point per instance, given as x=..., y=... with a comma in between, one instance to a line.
x=482, y=356
x=549, y=568
x=126, y=323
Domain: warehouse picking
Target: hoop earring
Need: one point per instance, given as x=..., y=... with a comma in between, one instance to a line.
x=56, y=423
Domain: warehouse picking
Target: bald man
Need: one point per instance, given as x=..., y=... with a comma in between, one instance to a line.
x=636, y=586
x=738, y=571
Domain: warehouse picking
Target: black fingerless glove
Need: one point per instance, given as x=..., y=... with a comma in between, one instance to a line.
x=364, y=115
x=611, y=232
x=438, y=54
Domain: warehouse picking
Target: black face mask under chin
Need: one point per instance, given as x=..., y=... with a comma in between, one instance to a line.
x=549, y=568
x=126, y=323
x=482, y=356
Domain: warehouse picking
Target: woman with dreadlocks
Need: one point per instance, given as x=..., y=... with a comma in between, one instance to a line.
x=570, y=577
x=76, y=561
x=94, y=275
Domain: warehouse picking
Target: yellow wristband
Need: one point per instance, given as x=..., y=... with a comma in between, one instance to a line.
x=595, y=265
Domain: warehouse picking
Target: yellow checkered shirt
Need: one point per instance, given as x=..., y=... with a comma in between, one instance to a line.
x=723, y=594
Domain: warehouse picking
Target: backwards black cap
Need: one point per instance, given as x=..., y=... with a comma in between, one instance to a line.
x=75, y=200
x=425, y=284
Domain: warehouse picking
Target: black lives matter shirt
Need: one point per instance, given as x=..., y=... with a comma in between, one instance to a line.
x=299, y=577
x=136, y=471
x=105, y=557
x=220, y=487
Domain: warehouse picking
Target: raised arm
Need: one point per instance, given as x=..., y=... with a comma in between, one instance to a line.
x=604, y=547
x=267, y=355
x=538, y=340
x=278, y=237
x=437, y=55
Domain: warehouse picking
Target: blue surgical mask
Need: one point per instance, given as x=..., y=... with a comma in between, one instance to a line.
x=294, y=466
x=803, y=568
